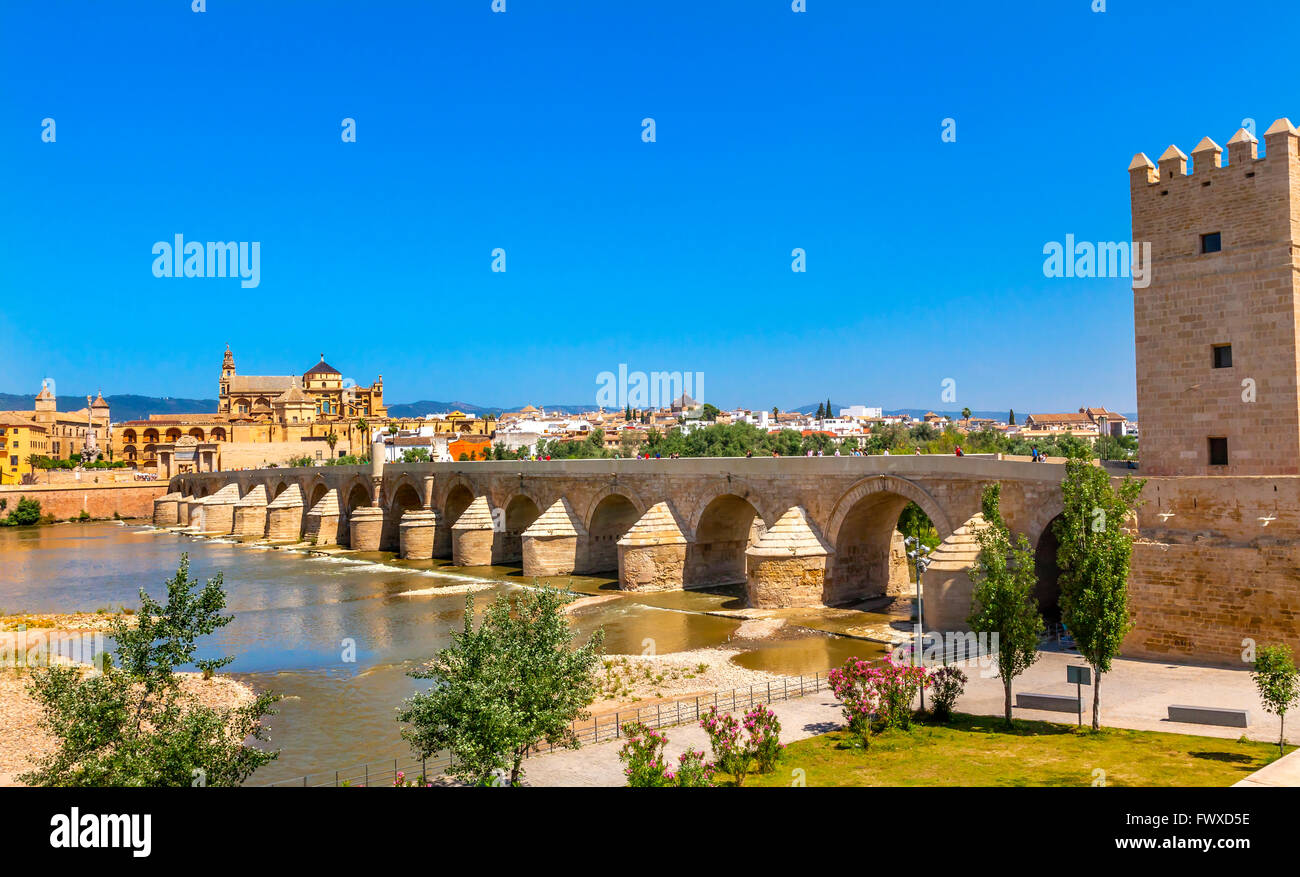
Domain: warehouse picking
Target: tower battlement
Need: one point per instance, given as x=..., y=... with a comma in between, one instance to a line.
x=1280, y=141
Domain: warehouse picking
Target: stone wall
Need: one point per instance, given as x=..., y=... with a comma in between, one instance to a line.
x=133, y=500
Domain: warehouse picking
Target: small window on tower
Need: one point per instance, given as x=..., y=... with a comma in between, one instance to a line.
x=1218, y=452
x=1211, y=243
x=1223, y=356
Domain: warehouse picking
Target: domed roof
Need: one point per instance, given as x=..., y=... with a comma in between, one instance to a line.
x=322, y=368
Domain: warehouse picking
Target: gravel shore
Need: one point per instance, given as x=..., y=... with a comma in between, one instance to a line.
x=25, y=739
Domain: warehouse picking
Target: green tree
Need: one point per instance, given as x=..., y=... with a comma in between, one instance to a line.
x=1094, y=552
x=1011, y=417
x=504, y=688
x=710, y=411
x=965, y=414
x=130, y=725
x=331, y=439
x=1278, y=683
x=1003, y=602
x=416, y=455
x=821, y=412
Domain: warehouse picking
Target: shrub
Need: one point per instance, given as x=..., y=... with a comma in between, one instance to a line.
x=730, y=753
x=26, y=513
x=764, y=737
x=854, y=685
x=897, y=686
x=643, y=753
x=948, y=683
x=693, y=772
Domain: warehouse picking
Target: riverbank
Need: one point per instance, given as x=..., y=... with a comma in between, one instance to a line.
x=25, y=740
x=64, y=622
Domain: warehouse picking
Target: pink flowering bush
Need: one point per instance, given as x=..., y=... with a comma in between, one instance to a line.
x=738, y=745
x=730, y=752
x=647, y=767
x=643, y=753
x=897, y=686
x=764, y=731
x=692, y=771
x=876, y=696
x=401, y=782
x=854, y=685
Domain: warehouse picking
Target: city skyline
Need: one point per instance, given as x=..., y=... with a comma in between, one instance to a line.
x=925, y=258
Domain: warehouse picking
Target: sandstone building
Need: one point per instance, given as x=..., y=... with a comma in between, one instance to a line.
x=260, y=420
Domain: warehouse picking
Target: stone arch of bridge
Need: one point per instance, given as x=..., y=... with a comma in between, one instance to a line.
x=863, y=532
x=406, y=497
x=520, y=510
x=610, y=514
x=457, y=485
x=723, y=528
x=457, y=499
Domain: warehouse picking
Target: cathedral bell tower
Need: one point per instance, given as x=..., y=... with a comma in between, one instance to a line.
x=227, y=372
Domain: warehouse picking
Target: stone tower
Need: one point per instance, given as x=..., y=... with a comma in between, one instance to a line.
x=1218, y=367
x=227, y=372
x=45, y=400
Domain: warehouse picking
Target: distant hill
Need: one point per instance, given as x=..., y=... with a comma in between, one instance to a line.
x=120, y=408
x=918, y=413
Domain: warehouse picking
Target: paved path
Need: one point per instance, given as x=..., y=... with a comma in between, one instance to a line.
x=1134, y=695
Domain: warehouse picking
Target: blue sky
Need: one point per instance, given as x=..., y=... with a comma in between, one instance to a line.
x=522, y=131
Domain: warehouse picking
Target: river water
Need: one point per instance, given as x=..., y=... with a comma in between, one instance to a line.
x=296, y=613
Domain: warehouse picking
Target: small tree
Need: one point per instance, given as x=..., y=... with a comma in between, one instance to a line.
x=504, y=688
x=965, y=414
x=1278, y=683
x=331, y=439
x=1093, y=553
x=1003, y=602
x=131, y=725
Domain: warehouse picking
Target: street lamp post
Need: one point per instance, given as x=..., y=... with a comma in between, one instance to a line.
x=920, y=555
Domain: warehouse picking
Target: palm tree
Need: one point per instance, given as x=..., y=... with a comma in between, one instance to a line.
x=364, y=429
x=965, y=414
x=331, y=439
x=34, y=461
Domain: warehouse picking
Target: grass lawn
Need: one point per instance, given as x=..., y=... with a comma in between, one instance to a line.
x=980, y=751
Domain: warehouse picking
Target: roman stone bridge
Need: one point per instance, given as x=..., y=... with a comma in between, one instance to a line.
x=797, y=531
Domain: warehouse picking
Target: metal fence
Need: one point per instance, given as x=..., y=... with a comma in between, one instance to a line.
x=598, y=729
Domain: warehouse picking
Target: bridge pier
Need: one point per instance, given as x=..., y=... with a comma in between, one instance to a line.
x=417, y=534
x=323, y=524
x=473, y=536
x=652, y=554
x=441, y=536
x=165, y=511
x=948, y=585
x=786, y=567
x=219, y=511
x=250, y=513
x=284, y=515
x=366, y=527
x=556, y=543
